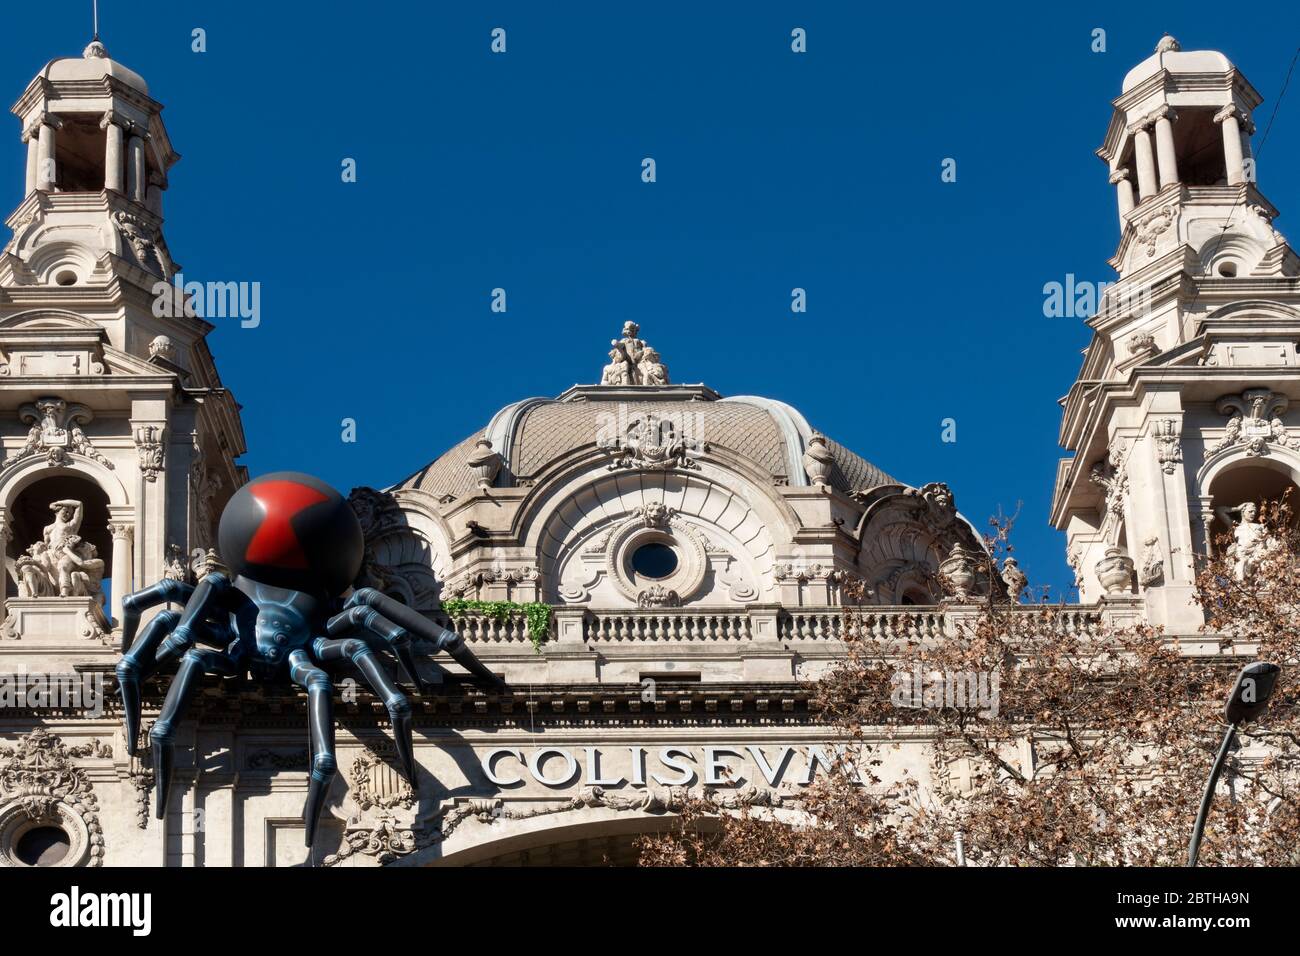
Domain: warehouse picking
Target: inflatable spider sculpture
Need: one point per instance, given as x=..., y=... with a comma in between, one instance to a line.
x=293, y=546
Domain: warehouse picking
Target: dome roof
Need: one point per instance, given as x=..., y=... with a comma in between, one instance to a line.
x=93, y=64
x=532, y=434
x=1169, y=56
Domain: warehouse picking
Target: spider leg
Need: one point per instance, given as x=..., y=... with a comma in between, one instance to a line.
x=206, y=599
x=362, y=655
x=136, y=665
x=166, y=591
x=398, y=639
x=419, y=625
x=166, y=637
x=320, y=697
x=162, y=737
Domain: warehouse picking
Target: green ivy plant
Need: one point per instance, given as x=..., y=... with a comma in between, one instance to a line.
x=536, y=615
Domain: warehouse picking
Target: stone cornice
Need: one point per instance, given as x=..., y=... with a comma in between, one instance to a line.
x=538, y=705
x=639, y=393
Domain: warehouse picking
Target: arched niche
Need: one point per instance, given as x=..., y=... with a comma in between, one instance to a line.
x=904, y=535
x=29, y=513
x=1231, y=254
x=1234, y=477
x=35, y=468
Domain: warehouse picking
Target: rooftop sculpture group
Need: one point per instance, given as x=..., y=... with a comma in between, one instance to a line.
x=633, y=362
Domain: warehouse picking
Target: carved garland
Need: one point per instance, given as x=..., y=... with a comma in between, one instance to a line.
x=41, y=786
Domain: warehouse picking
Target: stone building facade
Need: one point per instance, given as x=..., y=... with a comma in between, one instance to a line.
x=688, y=552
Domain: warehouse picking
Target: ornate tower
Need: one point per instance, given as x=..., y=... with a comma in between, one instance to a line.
x=109, y=397
x=1179, y=414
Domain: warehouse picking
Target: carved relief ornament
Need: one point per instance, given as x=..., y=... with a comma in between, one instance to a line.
x=1255, y=422
x=55, y=432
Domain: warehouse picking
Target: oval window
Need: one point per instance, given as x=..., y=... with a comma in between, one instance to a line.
x=42, y=846
x=654, y=560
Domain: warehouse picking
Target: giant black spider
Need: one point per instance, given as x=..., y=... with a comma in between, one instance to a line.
x=293, y=545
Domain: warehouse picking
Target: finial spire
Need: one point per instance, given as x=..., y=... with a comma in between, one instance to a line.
x=1167, y=44
x=95, y=11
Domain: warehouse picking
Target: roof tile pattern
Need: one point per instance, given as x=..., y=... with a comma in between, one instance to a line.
x=549, y=431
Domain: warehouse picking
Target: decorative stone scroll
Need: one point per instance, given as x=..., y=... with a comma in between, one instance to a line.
x=1112, y=477
x=1169, y=449
x=1152, y=226
x=55, y=432
x=1255, y=422
x=149, y=442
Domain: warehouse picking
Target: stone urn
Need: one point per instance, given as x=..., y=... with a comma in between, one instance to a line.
x=1115, y=571
x=484, y=462
x=958, y=572
x=818, y=460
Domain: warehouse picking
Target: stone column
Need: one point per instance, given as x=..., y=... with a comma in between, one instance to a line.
x=114, y=160
x=1165, y=146
x=123, y=532
x=32, y=137
x=1249, y=173
x=136, y=172
x=46, y=173
x=1146, y=167
x=1124, y=191
x=1232, y=158
x=1207, y=523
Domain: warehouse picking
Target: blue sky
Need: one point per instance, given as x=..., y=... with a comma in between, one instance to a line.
x=774, y=171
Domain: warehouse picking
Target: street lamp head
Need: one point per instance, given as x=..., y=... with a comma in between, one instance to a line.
x=1249, y=697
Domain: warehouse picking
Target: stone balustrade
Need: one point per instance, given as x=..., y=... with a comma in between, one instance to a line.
x=481, y=629
x=794, y=625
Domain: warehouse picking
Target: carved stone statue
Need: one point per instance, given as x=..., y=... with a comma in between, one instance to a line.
x=651, y=370
x=633, y=362
x=1250, y=538
x=61, y=563
x=618, y=371
x=629, y=344
x=66, y=523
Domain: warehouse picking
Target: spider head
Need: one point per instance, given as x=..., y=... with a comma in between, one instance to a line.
x=278, y=625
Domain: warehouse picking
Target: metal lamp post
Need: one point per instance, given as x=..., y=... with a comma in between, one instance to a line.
x=1248, y=700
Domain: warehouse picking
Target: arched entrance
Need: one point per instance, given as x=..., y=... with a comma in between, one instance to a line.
x=594, y=836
